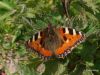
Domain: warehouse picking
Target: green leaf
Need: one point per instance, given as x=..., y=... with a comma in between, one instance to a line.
x=87, y=72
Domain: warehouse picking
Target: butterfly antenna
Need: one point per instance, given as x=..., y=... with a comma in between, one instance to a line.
x=66, y=6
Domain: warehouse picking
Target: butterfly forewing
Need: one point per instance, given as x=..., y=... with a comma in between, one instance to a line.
x=71, y=39
x=35, y=44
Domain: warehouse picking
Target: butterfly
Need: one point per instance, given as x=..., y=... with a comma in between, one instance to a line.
x=55, y=41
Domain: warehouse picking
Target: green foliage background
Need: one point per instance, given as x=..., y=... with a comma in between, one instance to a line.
x=20, y=19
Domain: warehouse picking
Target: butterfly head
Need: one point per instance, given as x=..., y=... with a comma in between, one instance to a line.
x=49, y=31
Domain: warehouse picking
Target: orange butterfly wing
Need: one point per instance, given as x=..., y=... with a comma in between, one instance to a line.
x=35, y=44
x=71, y=39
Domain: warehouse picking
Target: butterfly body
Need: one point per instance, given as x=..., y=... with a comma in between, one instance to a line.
x=53, y=41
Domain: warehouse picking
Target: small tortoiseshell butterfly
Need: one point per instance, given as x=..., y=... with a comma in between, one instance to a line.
x=53, y=41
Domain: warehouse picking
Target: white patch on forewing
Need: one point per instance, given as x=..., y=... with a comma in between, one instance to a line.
x=33, y=38
x=74, y=32
x=80, y=33
x=66, y=30
x=39, y=35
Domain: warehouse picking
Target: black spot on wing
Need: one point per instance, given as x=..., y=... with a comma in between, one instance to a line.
x=36, y=36
x=70, y=31
x=64, y=38
x=77, y=32
x=63, y=30
x=41, y=34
